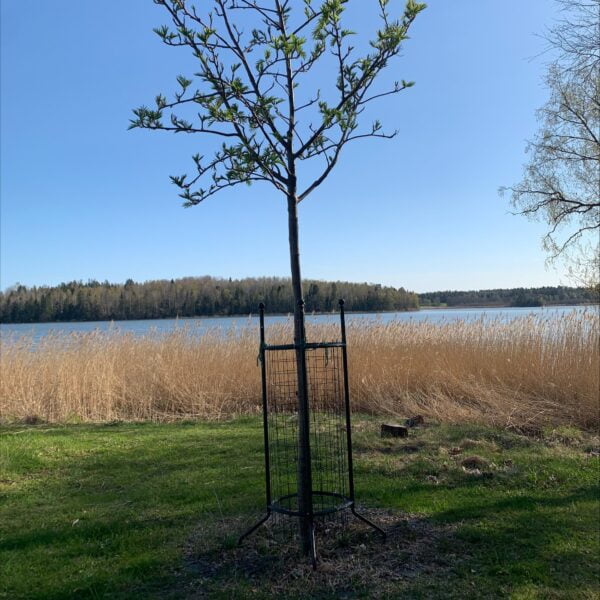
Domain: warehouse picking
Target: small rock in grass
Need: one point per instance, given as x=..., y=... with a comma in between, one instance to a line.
x=529, y=431
x=414, y=421
x=474, y=462
x=326, y=567
x=468, y=443
x=393, y=430
x=32, y=420
x=410, y=448
x=474, y=472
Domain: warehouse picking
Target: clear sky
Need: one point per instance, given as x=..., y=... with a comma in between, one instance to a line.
x=82, y=197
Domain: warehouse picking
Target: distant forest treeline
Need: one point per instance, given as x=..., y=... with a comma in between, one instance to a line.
x=189, y=297
x=204, y=296
x=511, y=297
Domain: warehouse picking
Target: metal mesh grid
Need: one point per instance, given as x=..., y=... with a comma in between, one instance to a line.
x=327, y=421
x=328, y=443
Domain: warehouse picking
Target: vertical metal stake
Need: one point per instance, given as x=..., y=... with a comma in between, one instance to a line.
x=349, y=425
x=263, y=375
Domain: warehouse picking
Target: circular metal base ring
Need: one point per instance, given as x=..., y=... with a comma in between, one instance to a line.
x=277, y=505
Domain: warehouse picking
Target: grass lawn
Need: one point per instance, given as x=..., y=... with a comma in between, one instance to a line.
x=140, y=510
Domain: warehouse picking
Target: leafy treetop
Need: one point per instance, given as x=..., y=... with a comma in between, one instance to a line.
x=246, y=86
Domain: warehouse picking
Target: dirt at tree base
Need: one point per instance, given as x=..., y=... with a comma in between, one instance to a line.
x=354, y=561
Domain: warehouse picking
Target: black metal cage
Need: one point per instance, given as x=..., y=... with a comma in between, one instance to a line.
x=328, y=444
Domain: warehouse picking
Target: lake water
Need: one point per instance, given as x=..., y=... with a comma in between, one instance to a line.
x=433, y=315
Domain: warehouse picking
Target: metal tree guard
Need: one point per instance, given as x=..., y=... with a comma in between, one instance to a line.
x=327, y=444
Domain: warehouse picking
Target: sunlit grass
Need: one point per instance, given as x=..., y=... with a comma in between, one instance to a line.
x=146, y=510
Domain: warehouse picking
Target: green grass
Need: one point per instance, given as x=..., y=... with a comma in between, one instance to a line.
x=111, y=511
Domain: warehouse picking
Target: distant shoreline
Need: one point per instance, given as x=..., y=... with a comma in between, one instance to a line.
x=309, y=314
x=480, y=306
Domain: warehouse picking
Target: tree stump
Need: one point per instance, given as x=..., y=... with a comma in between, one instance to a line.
x=393, y=430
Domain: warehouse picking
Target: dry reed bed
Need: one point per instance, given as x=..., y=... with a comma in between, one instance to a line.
x=530, y=371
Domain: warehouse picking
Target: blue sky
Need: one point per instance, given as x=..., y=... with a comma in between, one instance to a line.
x=82, y=197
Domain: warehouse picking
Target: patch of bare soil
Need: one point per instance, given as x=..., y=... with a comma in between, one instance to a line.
x=354, y=561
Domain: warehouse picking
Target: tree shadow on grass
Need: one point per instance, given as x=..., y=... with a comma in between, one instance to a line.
x=482, y=551
x=109, y=518
x=535, y=539
x=115, y=520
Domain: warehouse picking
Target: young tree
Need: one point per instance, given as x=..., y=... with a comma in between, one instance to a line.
x=561, y=182
x=256, y=90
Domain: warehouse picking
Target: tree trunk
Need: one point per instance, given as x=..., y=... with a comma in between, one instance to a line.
x=304, y=461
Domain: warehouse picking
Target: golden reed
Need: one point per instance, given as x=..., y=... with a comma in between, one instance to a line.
x=531, y=371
